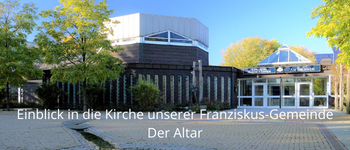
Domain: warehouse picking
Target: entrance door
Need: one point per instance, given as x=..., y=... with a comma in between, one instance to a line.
x=260, y=94
x=304, y=95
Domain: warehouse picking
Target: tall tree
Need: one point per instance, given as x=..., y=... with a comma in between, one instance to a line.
x=334, y=25
x=16, y=59
x=75, y=41
x=248, y=52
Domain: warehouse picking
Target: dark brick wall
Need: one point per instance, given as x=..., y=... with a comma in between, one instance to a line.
x=130, y=54
x=168, y=70
x=204, y=56
x=162, y=54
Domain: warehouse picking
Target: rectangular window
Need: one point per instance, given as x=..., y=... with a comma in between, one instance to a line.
x=110, y=91
x=63, y=90
x=274, y=87
x=117, y=91
x=245, y=87
x=140, y=77
x=320, y=101
x=74, y=95
x=229, y=90
x=156, y=80
x=208, y=87
x=148, y=78
x=288, y=87
x=273, y=102
x=131, y=83
x=222, y=89
x=319, y=86
x=216, y=88
x=246, y=101
x=124, y=89
x=179, y=85
x=164, y=89
x=172, y=89
x=187, y=88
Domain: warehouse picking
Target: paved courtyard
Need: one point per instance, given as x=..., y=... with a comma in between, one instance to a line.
x=215, y=133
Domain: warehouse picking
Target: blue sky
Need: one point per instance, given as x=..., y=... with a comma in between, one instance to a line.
x=229, y=21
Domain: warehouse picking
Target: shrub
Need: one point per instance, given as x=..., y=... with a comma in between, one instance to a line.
x=49, y=93
x=94, y=94
x=145, y=93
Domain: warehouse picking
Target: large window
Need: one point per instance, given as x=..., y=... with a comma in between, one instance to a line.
x=172, y=87
x=168, y=36
x=187, y=78
x=246, y=87
x=319, y=86
x=164, y=89
x=288, y=92
x=179, y=85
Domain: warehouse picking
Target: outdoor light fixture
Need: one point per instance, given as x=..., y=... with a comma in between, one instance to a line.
x=304, y=74
x=257, y=76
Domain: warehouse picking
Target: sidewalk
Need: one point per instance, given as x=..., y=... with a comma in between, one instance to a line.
x=216, y=133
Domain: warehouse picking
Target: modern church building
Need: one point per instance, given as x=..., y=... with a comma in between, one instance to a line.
x=163, y=49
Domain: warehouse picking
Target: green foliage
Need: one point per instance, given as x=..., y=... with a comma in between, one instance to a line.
x=252, y=50
x=16, y=59
x=319, y=86
x=75, y=40
x=49, y=93
x=218, y=105
x=334, y=25
x=146, y=93
x=2, y=93
x=249, y=52
x=94, y=94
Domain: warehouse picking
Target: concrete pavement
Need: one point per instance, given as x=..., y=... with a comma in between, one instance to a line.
x=267, y=133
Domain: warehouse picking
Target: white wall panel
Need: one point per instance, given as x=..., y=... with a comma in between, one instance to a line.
x=139, y=25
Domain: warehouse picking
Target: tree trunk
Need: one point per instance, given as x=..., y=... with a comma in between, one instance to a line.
x=84, y=96
x=336, y=94
x=8, y=96
x=348, y=93
x=341, y=89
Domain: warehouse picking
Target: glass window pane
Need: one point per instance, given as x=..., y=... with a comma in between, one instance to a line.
x=320, y=101
x=246, y=87
x=283, y=56
x=246, y=101
x=274, y=87
x=305, y=101
x=273, y=57
x=304, y=89
x=288, y=87
x=320, y=86
x=180, y=41
x=156, y=39
x=288, y=101
x=176, y=36
x=304, y=79
x=293, y=57
x=259, y=90
x=172, y=87
x=258, y=101
x=273, y=102
x=161, y=35
x=259, y=81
